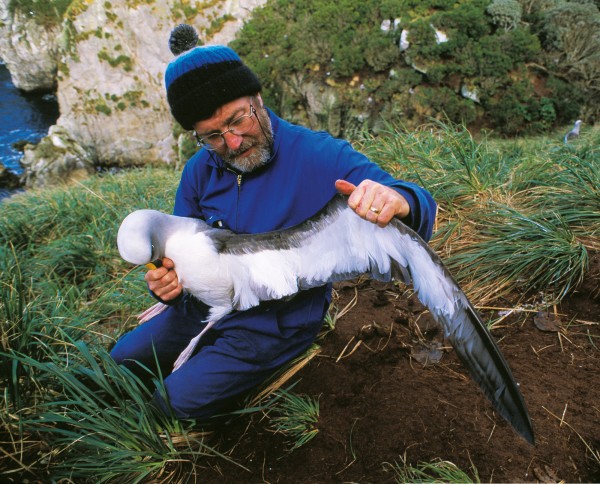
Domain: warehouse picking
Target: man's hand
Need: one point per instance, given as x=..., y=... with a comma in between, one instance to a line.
x=163, y=282
x=373, y=201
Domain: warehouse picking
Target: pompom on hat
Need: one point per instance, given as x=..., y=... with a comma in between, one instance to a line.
x=203, y=78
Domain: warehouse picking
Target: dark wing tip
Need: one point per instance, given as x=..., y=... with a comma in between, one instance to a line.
x=484, y=361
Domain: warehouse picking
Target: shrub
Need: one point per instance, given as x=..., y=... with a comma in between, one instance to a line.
x=444, y=101
x=516, y=109
x=381, y=52
x=567, y=99
x=569, y=32
x=290, y=44
x=506, y=14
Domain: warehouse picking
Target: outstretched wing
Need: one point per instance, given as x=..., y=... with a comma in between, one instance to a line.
x=337, y=245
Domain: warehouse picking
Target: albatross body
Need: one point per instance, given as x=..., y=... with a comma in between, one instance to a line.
x=229, y=271
x=574, y=133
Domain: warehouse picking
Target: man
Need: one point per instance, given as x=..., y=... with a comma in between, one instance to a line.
x=255, y=173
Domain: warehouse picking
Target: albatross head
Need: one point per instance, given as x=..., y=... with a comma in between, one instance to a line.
x=138, y=238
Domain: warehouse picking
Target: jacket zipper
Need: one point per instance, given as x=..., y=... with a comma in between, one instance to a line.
x=239, y=191
x=239, y=194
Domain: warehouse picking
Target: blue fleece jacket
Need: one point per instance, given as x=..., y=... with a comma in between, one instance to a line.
x=297, y=182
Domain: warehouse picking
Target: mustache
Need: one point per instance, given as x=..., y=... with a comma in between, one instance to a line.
x=246, y=144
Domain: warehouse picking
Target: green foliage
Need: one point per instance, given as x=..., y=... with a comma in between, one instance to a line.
x=462, y=21
x=287, y=42
x=104, y=425
x=565, y=19
x=568, y=99
x=570, y=32
x=521, y=45
x=62, y=281
x=101, y=107
x=217, y=24
x=295, y=45
x=68, y=246
x=528, y=213
x=513, y=106
x=421, y=35
x=122, y=61
x=44, y=12
x=436, y=471
x=296, y=417
x=540, y=245
x=380, y=54
x=576, y=184
x=444, y=100
x=506, y=14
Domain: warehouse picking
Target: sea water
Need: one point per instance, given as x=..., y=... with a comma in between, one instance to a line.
x=23, y=117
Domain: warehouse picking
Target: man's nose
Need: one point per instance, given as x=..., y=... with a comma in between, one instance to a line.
x=232, y=140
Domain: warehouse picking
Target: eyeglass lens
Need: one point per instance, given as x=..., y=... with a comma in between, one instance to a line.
x=238, y=126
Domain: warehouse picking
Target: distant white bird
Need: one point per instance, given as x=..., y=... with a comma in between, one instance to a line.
x=228, y=271
x=574, y=133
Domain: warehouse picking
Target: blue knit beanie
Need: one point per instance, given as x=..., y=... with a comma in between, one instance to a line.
x=201, y=79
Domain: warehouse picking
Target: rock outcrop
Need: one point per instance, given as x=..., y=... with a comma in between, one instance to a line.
x=56, y=159
x=29, y=49
x=110, y=58
x=7, y=178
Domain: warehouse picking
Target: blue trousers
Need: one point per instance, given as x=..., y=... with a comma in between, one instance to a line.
x=237, y=354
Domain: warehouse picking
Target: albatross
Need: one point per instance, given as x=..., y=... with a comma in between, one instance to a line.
x=574, y=133
x=229, y=271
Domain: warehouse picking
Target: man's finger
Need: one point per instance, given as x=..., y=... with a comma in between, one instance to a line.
x=344, y=187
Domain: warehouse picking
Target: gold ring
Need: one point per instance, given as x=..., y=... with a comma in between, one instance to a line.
x=374, y=210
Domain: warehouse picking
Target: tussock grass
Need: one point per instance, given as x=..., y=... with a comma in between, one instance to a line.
x=62, y=282
x=515, y=217
x=100, y=421
x=519, y=252
x=435, y=472
x=516, y=222
x=296, y=417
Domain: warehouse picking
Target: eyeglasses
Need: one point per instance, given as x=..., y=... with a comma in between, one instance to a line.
x=238, y=127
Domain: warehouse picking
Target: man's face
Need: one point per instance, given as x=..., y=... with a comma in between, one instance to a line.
x=246, y=151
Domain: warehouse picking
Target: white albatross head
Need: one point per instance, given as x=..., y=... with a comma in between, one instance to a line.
x=138, y=238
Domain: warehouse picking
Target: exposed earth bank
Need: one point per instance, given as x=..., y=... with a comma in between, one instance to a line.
x=379, y=402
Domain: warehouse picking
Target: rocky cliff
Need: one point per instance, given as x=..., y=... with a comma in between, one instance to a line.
x=28, y=49
x=107, y=60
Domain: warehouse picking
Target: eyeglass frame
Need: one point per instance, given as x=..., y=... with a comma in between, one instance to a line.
x=201, y=140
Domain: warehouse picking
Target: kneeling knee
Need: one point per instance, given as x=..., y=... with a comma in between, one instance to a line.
x=184, y=405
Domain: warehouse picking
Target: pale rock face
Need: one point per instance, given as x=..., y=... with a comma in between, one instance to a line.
x=28, y=50
x=110, y=86
x=110, y=89
x=322, y=100
x=404, y=43
x=440, y=37
x=57, y=159
x=469, y=93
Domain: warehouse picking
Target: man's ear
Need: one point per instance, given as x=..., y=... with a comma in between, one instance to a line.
x=260, y=101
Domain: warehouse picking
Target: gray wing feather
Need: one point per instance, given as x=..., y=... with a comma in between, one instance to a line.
x=295, y=237
x=336, y=245
x=471, y=339
x=396, y=252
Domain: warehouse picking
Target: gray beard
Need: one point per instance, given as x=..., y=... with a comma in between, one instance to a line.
x=263, y=147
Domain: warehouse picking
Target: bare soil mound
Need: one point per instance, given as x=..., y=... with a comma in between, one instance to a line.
x=383, y=396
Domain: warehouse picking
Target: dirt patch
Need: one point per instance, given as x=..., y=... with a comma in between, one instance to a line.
x=379, y=402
